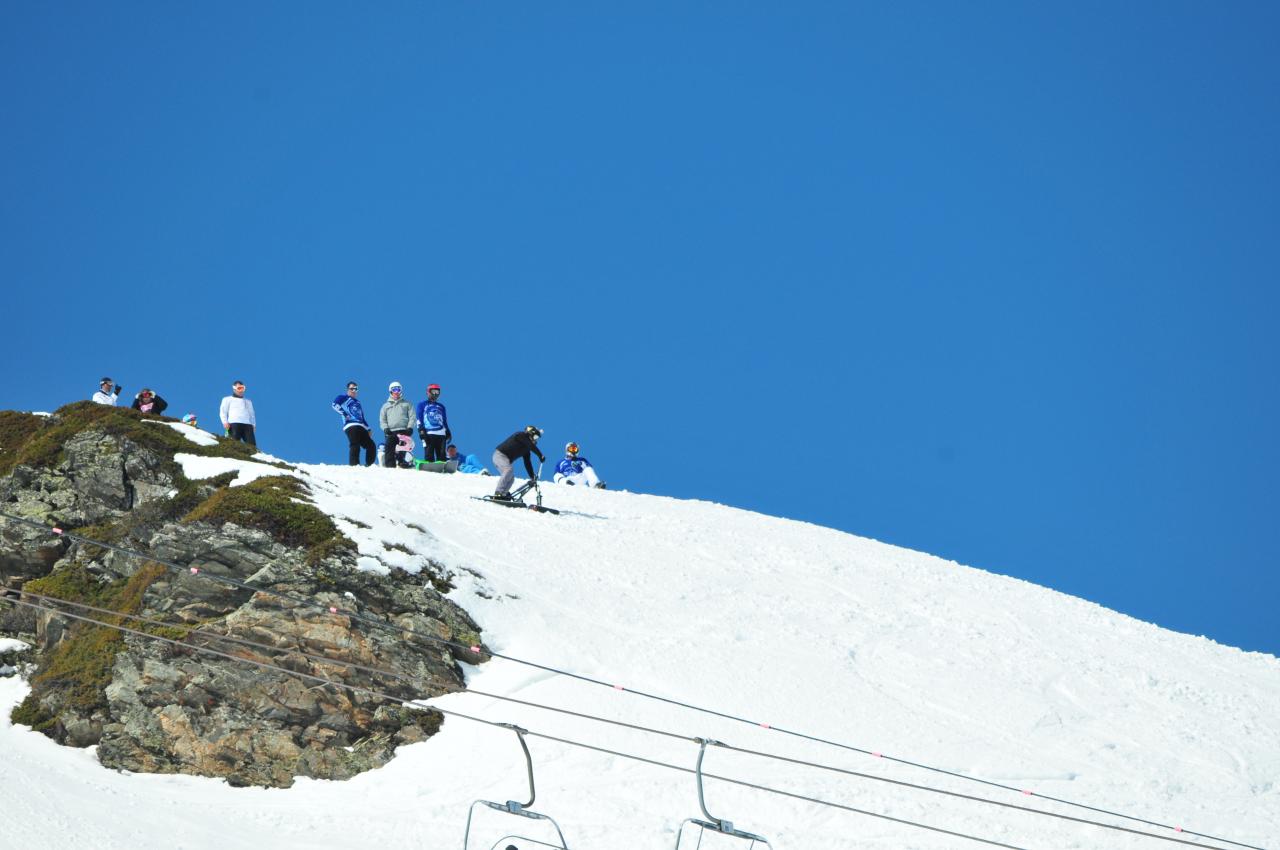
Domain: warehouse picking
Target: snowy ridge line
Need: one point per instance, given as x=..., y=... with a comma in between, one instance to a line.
x=613, y=722
x=479, y=650
x=506, y=726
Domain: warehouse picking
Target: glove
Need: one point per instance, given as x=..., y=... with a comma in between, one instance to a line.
x=118, y=389
x=422, y=432
x=448, y=436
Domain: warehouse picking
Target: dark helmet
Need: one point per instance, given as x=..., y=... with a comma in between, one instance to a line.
x=533, y=431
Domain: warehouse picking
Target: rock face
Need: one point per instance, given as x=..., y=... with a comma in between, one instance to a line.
x=166, y=707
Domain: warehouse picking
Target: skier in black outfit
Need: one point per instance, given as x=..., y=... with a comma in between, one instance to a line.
x=517, y=446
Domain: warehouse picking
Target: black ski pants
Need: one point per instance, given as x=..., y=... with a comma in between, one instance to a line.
x=359, y=438
x=391, y=457
x=433, y=447
x=242, y=432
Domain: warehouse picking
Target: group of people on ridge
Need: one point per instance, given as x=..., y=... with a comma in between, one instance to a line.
x=573, y=469
x=398, y=418
x=236, y=411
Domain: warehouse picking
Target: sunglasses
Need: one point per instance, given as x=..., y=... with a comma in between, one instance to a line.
x=396, y=392
x=349, y=389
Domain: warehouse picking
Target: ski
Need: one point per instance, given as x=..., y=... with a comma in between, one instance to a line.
x=513, y=503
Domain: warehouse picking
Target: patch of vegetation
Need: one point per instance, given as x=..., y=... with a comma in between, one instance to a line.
x=43, y=446
x=79, y=668
x=16, y=430
x=278, y=505
x=399, y=547
x=31, y=713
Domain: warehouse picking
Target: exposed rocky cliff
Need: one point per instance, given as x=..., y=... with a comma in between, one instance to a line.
x=110, y=474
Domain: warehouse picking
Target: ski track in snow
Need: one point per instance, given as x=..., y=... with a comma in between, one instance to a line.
x=779, y=621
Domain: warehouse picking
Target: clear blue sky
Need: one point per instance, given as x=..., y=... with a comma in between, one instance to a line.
x=996, y=281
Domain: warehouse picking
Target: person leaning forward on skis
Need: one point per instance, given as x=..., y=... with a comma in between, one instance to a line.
x=517, y=446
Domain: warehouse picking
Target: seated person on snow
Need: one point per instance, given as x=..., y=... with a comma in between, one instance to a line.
x=575, y=469
x=466, y=463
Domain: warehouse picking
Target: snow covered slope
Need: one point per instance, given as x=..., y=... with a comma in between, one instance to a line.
x=782, y=622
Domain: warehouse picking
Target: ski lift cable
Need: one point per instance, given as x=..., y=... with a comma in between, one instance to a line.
x=423, y=704
x=197, y=631
x=479, y=651
x=839, y=770
x=505, y=726
x=606, y=720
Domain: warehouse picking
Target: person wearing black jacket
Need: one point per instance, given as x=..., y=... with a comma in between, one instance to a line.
x=148, y=402
x=517, y=446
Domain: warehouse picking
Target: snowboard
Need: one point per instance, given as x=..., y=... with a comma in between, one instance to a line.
x=436, y=465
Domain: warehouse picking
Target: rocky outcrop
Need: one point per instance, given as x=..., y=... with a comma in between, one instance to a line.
x=171, y=705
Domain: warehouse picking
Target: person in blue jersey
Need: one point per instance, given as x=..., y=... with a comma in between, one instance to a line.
x=466, y=463
x=433, y=426
x=396, y=421
x=576, y=469
x=355, y=426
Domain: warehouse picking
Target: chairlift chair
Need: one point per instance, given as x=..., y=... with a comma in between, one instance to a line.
x=521, y=810
x=712, y=824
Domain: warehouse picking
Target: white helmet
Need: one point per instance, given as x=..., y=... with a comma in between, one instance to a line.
x=571, y=448
x=395, y=385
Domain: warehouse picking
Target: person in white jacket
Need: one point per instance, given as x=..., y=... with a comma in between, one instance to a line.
x=237, y=416
x=107, y=393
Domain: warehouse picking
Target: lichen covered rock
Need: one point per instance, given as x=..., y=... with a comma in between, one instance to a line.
x=168, y=705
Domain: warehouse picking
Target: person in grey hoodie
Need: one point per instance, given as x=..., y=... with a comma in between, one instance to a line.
x=396, y=420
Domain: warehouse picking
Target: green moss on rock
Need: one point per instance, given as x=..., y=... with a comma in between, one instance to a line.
x=277, y=505
x=42, y=447
x=16, y=430
x=79, y=668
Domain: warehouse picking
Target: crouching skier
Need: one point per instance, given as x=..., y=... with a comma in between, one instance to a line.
x=517, y=446
x=575, y=469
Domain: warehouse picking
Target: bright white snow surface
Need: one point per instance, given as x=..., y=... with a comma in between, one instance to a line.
x=195, y=435
x=802, y=627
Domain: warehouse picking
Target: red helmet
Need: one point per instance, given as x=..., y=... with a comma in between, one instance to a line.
x=434, y=388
